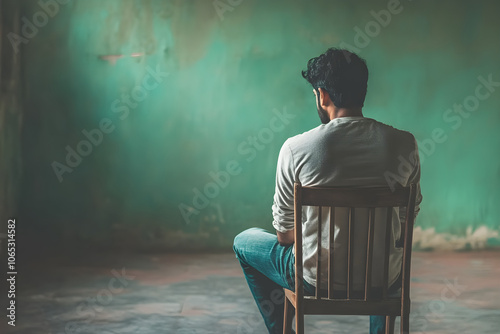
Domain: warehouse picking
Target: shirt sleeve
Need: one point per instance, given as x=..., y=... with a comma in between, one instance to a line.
x=283, y=205
x=414, y=178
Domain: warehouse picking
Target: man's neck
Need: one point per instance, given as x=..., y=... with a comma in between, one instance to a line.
x=345, y=112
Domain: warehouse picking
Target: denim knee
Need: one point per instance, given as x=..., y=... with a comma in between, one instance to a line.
x=241, y=239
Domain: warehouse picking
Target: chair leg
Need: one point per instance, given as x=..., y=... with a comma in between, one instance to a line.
x=405, y=323
x=389, y=324
x=299, y=321
x=288, y=319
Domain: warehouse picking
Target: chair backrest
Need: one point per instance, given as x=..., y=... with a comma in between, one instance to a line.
x=351, y=198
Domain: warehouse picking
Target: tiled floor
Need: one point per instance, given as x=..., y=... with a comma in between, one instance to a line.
x=206, y=293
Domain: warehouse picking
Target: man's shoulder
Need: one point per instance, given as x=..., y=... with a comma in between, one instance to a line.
x=403, y=134
x=305, y=136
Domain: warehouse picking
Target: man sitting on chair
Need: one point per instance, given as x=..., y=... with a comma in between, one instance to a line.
x=347, y=149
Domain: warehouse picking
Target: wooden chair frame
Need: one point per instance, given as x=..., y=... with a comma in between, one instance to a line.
x=352, y=197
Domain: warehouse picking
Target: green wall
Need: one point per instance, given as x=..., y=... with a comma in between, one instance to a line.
x=231, y=71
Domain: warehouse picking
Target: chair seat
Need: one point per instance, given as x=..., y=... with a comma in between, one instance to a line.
x=375, y=293
x=391, y=306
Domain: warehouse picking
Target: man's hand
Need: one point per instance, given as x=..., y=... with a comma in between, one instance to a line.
x=286, y=238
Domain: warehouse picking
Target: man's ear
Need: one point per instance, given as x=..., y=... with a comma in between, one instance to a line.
x=324, y=98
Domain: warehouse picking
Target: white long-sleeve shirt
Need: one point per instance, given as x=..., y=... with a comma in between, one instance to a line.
x=348, y=151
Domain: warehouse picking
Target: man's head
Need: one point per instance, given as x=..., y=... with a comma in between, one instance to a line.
x=338, y=77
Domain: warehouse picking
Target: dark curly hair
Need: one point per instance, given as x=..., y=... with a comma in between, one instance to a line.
x=342, y=74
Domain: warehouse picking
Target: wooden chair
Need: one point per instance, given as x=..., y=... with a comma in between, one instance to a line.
x=348, y=302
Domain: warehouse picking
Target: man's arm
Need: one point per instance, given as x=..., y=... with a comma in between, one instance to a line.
x=283, y=210
x=414, y=178
x=286, y=238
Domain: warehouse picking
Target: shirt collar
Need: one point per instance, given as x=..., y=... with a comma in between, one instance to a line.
x=348, y=118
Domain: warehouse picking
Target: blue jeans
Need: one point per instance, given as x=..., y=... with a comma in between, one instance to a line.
x=268, y=268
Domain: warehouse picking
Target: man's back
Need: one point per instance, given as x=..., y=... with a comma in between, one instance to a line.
x=347, y=151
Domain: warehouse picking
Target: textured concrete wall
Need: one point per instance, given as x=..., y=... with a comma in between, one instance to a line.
x=192, y=155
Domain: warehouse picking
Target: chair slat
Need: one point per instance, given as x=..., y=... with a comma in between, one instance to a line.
x=369, y=251
x=318, y=263
x=331, y=237
x=388, y=230
x=350, y=250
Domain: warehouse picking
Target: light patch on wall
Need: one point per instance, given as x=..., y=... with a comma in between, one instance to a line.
x=429, y=239
x=192, y=27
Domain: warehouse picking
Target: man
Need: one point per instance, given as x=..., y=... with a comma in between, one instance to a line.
x=346, y=150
